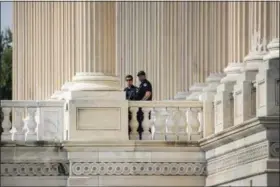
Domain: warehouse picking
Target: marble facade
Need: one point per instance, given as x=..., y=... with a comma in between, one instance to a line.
x=221, y=132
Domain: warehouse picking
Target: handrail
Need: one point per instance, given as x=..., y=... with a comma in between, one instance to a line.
x=30, y=103
x=163, y=104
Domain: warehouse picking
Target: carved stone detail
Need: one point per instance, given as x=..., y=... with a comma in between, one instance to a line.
x=238, y=157
x=34, y=169
x=274, y=149
x=137, y=168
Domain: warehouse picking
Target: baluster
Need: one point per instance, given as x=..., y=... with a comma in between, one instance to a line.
x=6, y=125
x=146, y=125
x=171, y=124
x=182, y=125
x=152, y=121
x=31, y=125
x=18, y=124
x=159, y=124
x=201, y=122
x=194, y=124
x=134, y=135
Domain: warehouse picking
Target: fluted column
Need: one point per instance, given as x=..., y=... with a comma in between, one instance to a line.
x=95, y=37
x=54, y=40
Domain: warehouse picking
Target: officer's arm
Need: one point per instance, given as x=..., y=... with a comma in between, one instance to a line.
x=147, y=95
x=148, y=92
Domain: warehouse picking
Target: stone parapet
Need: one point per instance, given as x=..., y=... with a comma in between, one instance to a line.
x=245, y=153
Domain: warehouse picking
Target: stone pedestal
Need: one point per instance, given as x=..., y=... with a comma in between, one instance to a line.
x=195, y=91
x=207, y=97
x=181, y=95
x=268, y=82
x=244, y=90
x=223, y=101
x=96, y=109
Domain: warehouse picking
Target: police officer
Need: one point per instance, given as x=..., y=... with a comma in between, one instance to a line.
x=130, y=90
x=145, y=92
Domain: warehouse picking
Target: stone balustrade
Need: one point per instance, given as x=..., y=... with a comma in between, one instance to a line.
x=165, y=120
x=243, y=91
x=32, y=120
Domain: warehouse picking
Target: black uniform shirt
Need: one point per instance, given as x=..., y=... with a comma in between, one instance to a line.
x=131, y=92
x=144, y=87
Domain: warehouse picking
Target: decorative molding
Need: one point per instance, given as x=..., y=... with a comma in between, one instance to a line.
x=34, y=169
x=238, y=157
x=138, y=168
x=274, y=149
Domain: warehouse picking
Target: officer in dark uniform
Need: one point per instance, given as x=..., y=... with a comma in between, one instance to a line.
x=130, y=90
x=145, y=93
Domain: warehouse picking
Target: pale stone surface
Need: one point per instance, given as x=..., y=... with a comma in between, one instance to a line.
x=246, y=152
x=244, y=92
x=248, y=170
x=268, y=83
x=151, y=181
x=207, y=97
x=33, y=181
x=223, y=101
x=195, y=91
x=89, y=97
x=85, y=125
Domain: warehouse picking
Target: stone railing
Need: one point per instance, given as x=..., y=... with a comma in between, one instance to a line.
x=32, y=120
x=165, y=120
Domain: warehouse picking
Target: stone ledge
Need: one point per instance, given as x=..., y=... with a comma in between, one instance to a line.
x=134, y=145
x=129, y=181
x=34, y=181
x=236, y=132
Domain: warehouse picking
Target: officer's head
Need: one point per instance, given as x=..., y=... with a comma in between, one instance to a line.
x=129, y=80
x=141, y=75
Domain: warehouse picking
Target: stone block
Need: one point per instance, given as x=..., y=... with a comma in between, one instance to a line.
x=88, y=121
x=268, y=89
